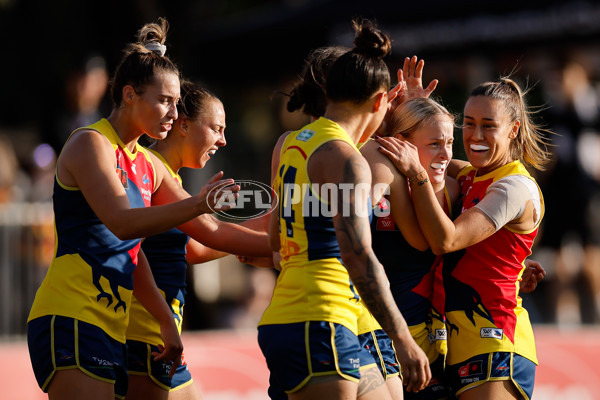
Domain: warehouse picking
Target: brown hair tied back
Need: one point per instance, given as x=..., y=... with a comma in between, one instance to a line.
x=151, y=33
x=140, y=64
x=369, y=40
x=358, y=74
x=530, y=144
x=309, y=93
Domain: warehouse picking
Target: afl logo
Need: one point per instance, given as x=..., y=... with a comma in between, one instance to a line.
x=254, y=199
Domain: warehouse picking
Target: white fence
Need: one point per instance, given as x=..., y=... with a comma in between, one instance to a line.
x=26, y=249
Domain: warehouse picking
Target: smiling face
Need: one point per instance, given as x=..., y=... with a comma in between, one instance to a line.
x=205, y=135
x=434, y=140
x=156, y=108
x=487, y=133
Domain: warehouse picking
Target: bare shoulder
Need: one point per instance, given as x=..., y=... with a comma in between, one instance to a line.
x=337, y=161
x=370, y=151
x=333, y=153
x=382, y=168
x=86, y=150
x=280, y=140
x=455, y=166
x=86, y=141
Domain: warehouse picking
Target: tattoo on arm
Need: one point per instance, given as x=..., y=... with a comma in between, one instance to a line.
x=371, y=282
x=351, y=223
x=324, y=147
x=374, y=290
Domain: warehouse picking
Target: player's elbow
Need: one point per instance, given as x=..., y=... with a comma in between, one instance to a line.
x=421, y=246
x=124, y=233
x=352, y=262
x=442, y=248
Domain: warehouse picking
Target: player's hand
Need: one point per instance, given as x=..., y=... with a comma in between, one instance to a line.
x=402, y=153
x=416, y=373
x=532, y=275
x=412, y=72
x=173, y=348
x=263, y=262
x=410, y=86
x=218, y=194
x=397, y=95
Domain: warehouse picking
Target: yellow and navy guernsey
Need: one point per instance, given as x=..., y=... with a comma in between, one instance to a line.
x=313, y=284
x=484, y=312
x=90, y=277
x=166, y=255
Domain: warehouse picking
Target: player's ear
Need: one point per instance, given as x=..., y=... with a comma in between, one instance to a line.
x=128, y=94
x=184, y=124
x=380, y=101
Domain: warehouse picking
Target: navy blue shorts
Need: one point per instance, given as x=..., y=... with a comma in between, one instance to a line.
x=437, y=388
x=60, y=343
x=141, y=362
x=490, y=367
x=297, y=352
x=379, y=344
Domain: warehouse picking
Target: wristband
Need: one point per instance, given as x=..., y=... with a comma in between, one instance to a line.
x=420, y=179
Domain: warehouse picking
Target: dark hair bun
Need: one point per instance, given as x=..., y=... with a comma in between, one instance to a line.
x=369, y=40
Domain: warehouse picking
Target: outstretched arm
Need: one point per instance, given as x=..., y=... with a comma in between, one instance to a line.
x=197, y=253
x=211, y=232
x=88, y=163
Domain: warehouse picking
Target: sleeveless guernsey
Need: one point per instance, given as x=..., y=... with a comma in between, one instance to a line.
x=484, y=312
x=90, y=277
x=313, y=284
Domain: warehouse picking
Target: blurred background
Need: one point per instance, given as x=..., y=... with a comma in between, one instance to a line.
x=58, y=57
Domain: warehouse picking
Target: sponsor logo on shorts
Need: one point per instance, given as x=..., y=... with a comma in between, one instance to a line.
x=439, y=334
x=166, y=368
x=494, y=333
x=472, y=368
x=103, y=363
x=305, y=135
x=355, y=362
x=502, y=366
